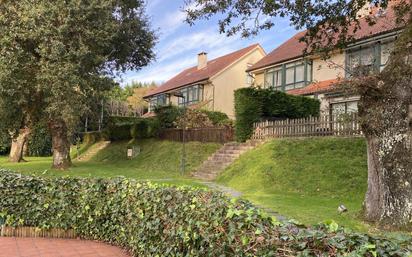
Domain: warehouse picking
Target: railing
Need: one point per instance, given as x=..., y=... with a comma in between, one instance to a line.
x=341, y=125
x=217, y=135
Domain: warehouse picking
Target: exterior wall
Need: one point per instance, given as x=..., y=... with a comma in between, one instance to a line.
x=330, y=69
x=230, y=80
x=260, y=79
x=174, y=100
x=208, y=97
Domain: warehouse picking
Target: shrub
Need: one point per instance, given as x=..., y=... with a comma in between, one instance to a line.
x=218, y=119
x=254, y=104
x=153, y=220
x=90, y=138
x=193, y=119
x=5, y=143
x=40, y=142
x=248, y=110
x=171, y=117
x=167, y=115
x=136, y=128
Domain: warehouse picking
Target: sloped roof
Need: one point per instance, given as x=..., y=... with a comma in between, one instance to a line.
x=316, y=87
x=193, y=75
x=293, y=48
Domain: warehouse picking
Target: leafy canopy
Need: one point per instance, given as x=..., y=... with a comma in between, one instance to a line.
x=248, y=17
x=61, y=52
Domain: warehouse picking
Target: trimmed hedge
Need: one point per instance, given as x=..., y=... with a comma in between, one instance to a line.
x=168, y=116
x=154, y=220
x=255, y=104
x=132, y=128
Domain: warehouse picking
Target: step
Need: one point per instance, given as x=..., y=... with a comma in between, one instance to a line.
x=237, y=148
x=229, y=151
x=224, y=156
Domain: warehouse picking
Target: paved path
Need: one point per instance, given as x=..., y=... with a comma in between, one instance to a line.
x=41, y=247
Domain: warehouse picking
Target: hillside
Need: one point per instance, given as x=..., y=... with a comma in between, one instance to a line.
x=158, y=161
x=305, y=179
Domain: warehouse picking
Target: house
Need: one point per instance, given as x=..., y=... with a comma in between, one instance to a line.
x=287, y=68
x=209, y=85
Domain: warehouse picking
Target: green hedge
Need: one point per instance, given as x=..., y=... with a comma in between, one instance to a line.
x=153, y=220
x=168, y=116
x=132, y=128
x=255, y=104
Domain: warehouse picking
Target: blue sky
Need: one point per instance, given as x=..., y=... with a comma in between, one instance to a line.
x=179, y=43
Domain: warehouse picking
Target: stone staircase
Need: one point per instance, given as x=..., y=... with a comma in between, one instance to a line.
x=92, y=151
x=225, y=156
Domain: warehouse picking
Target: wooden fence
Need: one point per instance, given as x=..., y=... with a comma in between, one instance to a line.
x=342, y=125
x=217, y=135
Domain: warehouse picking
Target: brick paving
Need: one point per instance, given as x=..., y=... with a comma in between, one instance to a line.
x=42, y=247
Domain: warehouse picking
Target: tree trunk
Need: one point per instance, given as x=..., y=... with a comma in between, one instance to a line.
x=60, y=145
x=385, y=114
x=388, y=199
x=17, y=145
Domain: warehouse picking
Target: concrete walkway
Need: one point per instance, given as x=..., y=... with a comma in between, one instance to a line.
x=42, y=247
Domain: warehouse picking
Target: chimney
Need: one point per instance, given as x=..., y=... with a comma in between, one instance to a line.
x=201, y=60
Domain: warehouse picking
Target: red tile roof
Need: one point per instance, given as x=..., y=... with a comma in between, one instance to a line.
x=293, y=48
x=316, y=87
x=193, y=75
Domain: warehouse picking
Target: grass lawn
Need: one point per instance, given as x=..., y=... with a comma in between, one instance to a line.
x=305, y=179
x=158, y=161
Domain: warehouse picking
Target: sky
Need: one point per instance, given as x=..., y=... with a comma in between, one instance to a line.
x=179, y=43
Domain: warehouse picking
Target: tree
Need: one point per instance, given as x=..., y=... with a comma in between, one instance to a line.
x=136, y=101
x=386, y=97
x=63, y=51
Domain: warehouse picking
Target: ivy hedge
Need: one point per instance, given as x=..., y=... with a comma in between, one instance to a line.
x=254, y=104
x=154, y=220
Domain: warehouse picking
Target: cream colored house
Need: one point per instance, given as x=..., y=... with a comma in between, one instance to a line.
x=209, y=85
x=287, y=69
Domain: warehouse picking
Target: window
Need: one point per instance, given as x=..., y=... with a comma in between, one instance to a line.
x=158, y=100
x=273, y=78
x=191, y=95
x=372, y=57
x=344, y=108
x=289, y=76
x=363, y=57
x=386, y=49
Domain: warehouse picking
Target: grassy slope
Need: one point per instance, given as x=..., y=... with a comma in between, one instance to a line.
x=305, y=179
x=158, y=160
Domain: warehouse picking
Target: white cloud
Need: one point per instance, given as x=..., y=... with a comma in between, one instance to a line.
x=161, y=72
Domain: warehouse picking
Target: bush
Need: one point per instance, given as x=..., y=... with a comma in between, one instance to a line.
x=40, y=141
x=218, y=119
x=5, y=143
x=254, y=104
x=248, y=110
x=167, y=115
x=153, y=220
x=136, y=128
x=90, y=138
